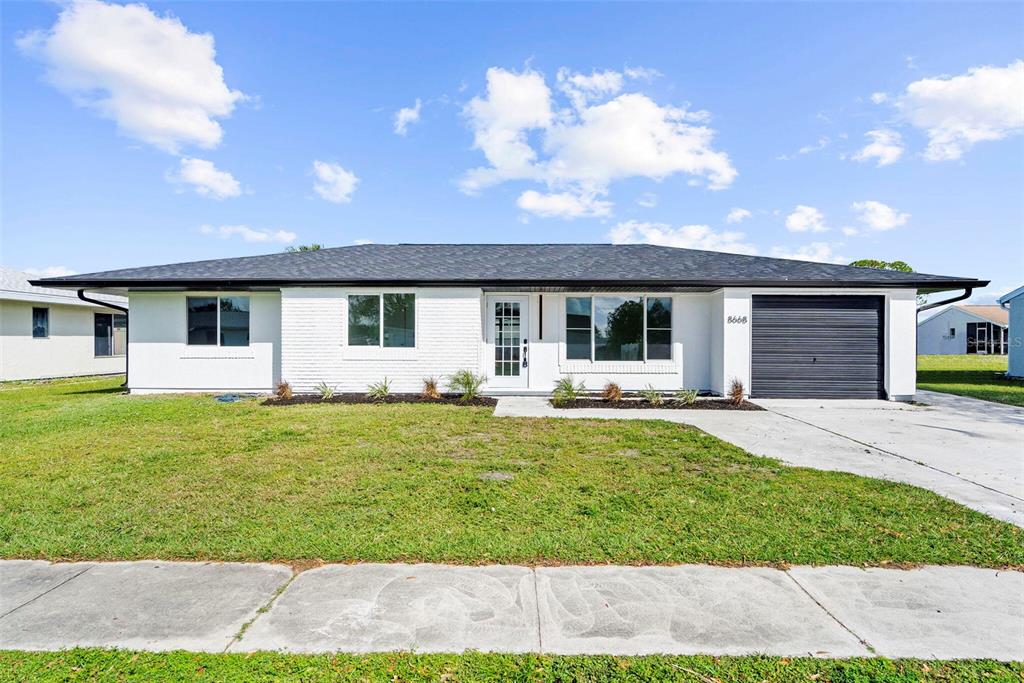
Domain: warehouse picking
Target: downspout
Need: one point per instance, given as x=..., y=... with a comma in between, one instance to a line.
x=105, y=304
x=960, y=297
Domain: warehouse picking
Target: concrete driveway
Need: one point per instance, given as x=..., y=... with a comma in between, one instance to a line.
x=968, y=450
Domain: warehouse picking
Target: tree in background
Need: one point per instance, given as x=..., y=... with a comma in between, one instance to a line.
x=306, y=247
x=901, y=266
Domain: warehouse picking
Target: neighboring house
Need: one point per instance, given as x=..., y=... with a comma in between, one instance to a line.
x=964, y=329
x=52, y=333
x=1015, y=347
x=523, y=315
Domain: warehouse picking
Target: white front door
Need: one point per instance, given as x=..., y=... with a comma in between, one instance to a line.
x=508, y=330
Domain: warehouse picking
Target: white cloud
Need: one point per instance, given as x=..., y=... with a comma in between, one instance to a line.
x=582, y=89
x=821, y=144
x=648, y=200
x=806, y=219
x=879, y=97
x=158, y=81
x=850, y=232
x=886, y=146
x=361, y=242
x=406, y=116
x=879, y=216
x=685, y=236
x=50, y=271
x=206, y=179
x=816, y=251
x=641, y=73
x=515, y=104
x=956, y=112
x=737, y=215
x=563, y=205
x=249, y=234
x=582, y=149
x=334, y=183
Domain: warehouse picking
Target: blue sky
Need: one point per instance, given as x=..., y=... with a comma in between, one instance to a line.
x=180, y=131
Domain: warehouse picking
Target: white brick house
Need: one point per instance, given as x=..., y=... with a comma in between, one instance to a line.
x=524, y=316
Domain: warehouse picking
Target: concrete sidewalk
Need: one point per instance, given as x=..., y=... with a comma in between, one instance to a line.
x=932, y=612
x=964, y=449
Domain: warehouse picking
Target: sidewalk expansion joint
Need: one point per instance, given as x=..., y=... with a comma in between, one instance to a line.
x=536, y=600
x=896, y=455
x=48, y=590
x=824, y=609
x=260, y=611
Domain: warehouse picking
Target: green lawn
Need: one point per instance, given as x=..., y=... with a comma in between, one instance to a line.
x=120, y=665
x=974, y=376
x=87, y=473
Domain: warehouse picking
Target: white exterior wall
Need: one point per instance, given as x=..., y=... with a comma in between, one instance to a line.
x=1015, y=366
x=690, y=366
x=300, y=335
x=161, y=361
x=717, y=322
x=933, y=334
x=68, y=351
x=900, y=344
x=900, y=328
x=314, y=337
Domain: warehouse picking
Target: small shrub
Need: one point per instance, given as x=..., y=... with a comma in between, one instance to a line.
x=283, y=391
x=652, y=395
x=612, y=392
x=430, y=389
x=567, y=390
x=467, y=384
x=686, y=396
x=736, y=392
x=325, y=390
x=379, y=391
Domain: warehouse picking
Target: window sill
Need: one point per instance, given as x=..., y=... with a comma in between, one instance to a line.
x=626, y=367
x=379, y=353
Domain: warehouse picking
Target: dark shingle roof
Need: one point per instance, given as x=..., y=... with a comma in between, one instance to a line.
x=507, y=264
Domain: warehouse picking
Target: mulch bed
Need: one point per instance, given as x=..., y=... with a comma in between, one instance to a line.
x=628, y=403
x=446, y=399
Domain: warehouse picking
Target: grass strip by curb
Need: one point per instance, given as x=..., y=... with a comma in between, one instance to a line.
x=124, y=665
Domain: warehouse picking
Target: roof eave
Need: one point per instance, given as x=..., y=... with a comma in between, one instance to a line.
x=925, y=286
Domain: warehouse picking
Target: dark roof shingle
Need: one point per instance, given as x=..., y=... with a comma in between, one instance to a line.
x=525, y=264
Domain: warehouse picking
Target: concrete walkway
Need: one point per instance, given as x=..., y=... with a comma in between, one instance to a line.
x=932, y=612
x=967, y=450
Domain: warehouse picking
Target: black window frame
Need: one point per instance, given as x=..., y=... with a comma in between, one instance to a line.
x=644, y=298
x=111, y=335
x=218, y=334
x=383, y=339
x=46, y=324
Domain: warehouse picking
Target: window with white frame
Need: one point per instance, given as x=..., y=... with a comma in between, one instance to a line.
x=217, y=320
x=386, y=320
x=618, y=328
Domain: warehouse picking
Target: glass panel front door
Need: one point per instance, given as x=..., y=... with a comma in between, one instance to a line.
x=508, y=337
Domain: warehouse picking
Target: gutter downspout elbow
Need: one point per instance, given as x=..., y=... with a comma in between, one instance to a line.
x=97, y=302
x=960, y=297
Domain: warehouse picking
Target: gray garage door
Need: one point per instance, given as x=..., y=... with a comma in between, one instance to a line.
x=817, y=347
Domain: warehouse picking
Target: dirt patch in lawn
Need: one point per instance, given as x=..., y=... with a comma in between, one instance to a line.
x=446, y=399
x=633, y=403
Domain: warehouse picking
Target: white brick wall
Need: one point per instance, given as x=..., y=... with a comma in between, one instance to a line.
x=314, y=327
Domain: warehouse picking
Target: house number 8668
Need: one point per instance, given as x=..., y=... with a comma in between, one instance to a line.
x=736, y=319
